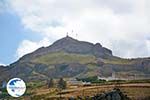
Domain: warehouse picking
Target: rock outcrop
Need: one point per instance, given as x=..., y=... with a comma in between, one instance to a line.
x=115, y=94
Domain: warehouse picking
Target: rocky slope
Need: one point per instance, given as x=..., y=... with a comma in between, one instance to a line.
x=69, y=57
x=71, y=45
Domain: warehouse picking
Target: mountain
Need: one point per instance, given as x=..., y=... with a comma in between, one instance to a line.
x=70, y=45
x=69, y=58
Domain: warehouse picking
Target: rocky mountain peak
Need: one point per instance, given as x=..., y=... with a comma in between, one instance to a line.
x=64, y=41
x=98, y=45
x=71, y=45
x=70, y=57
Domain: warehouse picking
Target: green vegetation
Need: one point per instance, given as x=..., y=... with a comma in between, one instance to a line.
x=117, y=61
x=4, y=93
x=36, y=84
x=61, y=57
x=93, y=79
x=92, y=66
x=138, y=81
x=89, y=73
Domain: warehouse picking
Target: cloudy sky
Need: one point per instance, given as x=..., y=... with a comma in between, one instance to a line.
x=121, y=25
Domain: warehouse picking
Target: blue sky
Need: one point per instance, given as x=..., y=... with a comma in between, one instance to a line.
x=121, y=25
x=12, y=33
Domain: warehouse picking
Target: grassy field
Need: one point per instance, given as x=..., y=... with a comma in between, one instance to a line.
x=54, y=58
x=61, y=57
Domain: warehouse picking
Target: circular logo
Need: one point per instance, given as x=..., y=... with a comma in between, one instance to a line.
x=16, y=87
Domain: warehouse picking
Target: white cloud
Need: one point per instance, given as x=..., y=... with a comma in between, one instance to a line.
x=148, y=46
x=3, y=6
x=28, y=46
x=131, y=48
x=2, y=64
x=121, y=25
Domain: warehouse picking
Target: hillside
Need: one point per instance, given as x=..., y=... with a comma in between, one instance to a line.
x=69, y=57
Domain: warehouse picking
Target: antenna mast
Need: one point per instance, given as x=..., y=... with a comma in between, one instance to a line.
x=76, y=36
x=67, y=34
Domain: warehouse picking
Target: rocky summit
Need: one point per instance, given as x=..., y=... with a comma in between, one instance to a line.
x=70, y=45
x=69, y=58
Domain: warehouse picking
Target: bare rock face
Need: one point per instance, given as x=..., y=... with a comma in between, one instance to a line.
x=100, y=51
